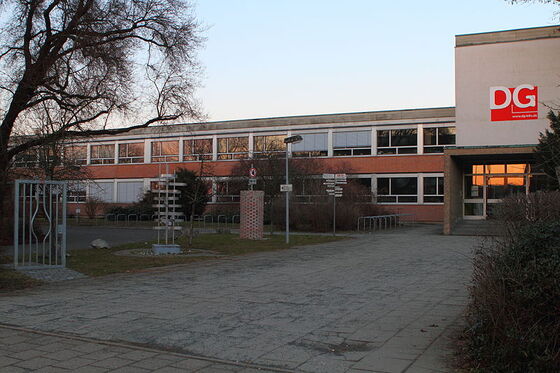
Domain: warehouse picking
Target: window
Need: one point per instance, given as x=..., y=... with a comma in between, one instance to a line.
x=165, y=151
x=75, y=154
x=229, y=190
x=129, y=191
x=28, y=159
x=131, y=152
x=433, y=189
x=233, y=147
x=352, y=143
x=264, y=145
x=197, y=149
x=312, y=145
x=76, y=192
x=397, y=189
x=102, y=190
x=435, y=139
x=102, y=154
x=397, y=141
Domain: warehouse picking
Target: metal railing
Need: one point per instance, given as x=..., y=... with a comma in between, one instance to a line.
x=382, y=222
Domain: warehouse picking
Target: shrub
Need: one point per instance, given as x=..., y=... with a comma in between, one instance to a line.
x=92, y=206
x=142, y=207
x=519, y=210
x=514, y=314
x=317, y=216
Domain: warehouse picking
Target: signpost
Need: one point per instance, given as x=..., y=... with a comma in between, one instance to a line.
x=252, y=177
x=333, y=182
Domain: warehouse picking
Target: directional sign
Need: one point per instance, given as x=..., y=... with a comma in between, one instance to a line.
x=286, y=187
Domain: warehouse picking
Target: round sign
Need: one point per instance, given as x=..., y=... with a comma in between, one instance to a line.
x=252, y=172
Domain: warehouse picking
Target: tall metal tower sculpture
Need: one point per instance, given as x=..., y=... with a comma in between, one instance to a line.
x=166, y=198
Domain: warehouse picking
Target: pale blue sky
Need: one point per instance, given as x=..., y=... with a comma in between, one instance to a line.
x=266, y=58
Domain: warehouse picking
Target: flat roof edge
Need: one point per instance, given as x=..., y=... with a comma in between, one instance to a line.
x=507, y=36
x=313, y=119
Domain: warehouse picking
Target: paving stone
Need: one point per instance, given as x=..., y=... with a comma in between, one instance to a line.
x=112, y=363
x=73, y=363
x=152, y=363
x=190, y=364
x=5, y=361
x=36, y=363
x=346, y=300
x=27, y=354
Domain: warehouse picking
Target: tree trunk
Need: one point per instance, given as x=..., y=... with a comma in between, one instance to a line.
x=6, y=204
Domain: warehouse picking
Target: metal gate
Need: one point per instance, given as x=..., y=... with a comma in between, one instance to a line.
x=40, y=223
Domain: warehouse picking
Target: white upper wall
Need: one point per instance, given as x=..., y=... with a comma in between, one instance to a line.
x=506, y=59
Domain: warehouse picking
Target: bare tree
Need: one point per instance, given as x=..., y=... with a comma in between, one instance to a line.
x=88, y=63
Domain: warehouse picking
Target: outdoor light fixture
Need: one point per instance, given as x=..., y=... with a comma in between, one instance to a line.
x=289, y=140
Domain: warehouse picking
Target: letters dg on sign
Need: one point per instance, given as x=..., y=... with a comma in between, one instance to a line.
x=519, y=103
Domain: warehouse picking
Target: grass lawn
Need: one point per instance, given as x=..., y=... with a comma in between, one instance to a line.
x=99, y=262
x=11, y=280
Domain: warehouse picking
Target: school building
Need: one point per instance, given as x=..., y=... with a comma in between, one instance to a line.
x=446, y=164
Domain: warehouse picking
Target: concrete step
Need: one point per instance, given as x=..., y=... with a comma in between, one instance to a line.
x=477, y=228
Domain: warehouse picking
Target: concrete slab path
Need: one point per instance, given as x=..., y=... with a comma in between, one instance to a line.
x=380, y=303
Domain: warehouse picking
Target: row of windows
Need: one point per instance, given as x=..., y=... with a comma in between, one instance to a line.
x=391, y=190
x=351, y=143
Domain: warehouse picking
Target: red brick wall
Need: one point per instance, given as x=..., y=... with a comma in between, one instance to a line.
x=252, y=214
x=355, y=165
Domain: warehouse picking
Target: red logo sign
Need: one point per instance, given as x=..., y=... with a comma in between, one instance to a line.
x=518, y=103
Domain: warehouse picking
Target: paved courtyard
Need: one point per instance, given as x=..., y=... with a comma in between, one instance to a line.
x=380, y=303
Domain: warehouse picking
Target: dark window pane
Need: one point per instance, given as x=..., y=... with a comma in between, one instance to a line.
x=382, y=186
x=341, y=152
x=440, y=185
x=404, y=137
x=407, y=199
x=430, y=136
x=433, y=149
x=446, y=136
x=386, y=151
x=386, y=199
x=407, y=150
x=404, y=185
x=362, y=151
x=382, y=138
x=430, y=185
x=433, y=199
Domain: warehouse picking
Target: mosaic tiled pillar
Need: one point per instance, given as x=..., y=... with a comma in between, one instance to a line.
x=252, y=214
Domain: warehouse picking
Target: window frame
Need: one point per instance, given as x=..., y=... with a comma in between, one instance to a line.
x=101, y=160
x=160, y=157
x=351, y=150
x=127, y=158
x=438, y=197
x=391, y=149
x=190, y=156
x=397, y=197
x=437, y=146
x=228, y=154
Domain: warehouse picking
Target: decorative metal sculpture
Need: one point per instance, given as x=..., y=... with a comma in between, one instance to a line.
x=39, y=223
x=166, y=198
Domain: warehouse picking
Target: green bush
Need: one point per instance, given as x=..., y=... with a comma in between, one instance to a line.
x=142, y=207
x=514, y=314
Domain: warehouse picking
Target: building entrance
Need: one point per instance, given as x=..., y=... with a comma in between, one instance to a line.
x=485, y=186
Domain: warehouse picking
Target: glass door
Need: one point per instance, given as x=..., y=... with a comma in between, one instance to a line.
x=474, y=197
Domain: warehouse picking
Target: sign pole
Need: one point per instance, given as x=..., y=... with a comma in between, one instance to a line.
x=334, y=216
x=287, y=203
